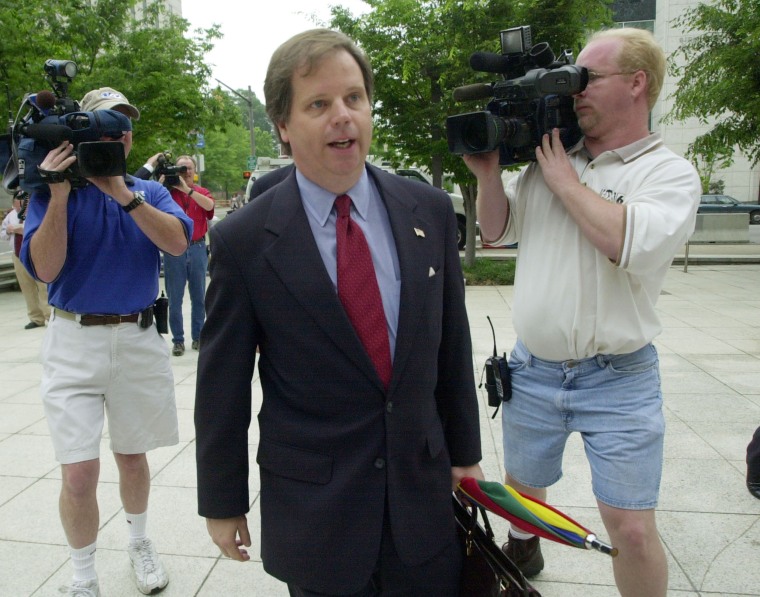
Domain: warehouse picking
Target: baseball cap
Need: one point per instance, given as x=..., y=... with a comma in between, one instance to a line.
x=107, y=98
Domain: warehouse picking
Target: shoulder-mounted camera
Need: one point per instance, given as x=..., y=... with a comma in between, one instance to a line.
x=534, y=97
x=48, y=118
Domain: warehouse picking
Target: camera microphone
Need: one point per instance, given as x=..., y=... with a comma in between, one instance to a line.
x=488, y=62
x=472, y=92
x=45, y=100
x=52, y=133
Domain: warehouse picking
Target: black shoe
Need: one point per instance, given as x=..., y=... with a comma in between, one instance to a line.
x=754, y=486
x=196, y=345
x=31, y=325
x=179, y=349
x=526, y=554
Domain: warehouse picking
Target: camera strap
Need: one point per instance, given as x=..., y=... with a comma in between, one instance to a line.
x=51, y=176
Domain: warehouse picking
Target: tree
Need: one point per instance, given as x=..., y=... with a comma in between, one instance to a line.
x=159, y=67
x=420, y=52
x=719, y=79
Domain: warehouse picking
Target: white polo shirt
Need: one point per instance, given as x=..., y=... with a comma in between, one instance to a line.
x=570, y=301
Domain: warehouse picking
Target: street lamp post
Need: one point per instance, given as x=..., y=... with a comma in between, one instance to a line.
x=248, y=100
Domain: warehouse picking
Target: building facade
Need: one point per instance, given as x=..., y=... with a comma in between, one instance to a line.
x=741, y=179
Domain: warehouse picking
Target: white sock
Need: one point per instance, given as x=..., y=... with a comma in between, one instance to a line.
x=83, y=561
x=137, y=524
x=519, y=534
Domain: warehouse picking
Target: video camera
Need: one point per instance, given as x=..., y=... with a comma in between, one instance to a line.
x=534, y=98
x=168, y=169
x=46, y=119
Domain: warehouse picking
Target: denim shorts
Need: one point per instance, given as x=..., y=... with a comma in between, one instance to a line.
x=613, y=401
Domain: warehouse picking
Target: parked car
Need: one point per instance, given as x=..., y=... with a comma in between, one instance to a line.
x=718, y=204
x=456, y=200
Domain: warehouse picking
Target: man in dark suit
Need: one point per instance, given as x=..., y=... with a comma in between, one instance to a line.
x=357, y=459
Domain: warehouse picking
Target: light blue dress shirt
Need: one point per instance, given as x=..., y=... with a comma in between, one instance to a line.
x=369, y=212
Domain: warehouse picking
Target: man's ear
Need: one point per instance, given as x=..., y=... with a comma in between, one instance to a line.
x=640, y=83
x=283, y=128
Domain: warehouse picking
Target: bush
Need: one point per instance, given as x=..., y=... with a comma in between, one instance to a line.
x=490, y=272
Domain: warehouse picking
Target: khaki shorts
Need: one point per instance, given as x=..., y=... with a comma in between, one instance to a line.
x=122, y=370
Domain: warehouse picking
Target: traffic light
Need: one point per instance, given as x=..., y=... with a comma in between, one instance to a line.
x=247, y=174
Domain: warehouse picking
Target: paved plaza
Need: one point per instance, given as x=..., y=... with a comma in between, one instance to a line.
x=710, y=524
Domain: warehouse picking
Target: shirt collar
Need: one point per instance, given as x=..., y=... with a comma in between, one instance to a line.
x=319, y=202
x=626, y=153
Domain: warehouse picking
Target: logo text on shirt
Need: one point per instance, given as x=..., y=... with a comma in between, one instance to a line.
x=611, y=196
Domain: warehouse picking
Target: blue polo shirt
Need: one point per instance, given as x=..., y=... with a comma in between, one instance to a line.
x=111, y=266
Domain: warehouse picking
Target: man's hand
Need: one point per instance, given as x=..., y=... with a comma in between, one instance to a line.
x=460, y=472
x=57, y=160
x=555, y=165
x=483, y=165
x=182, y=186
x=229, y=534
x=153, y=160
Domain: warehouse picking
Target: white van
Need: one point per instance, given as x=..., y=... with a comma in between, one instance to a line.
x=265, y=165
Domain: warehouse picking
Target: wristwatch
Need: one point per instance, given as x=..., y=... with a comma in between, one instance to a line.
x=139, y=199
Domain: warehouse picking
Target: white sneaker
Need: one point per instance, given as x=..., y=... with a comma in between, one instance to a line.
x=84, y=588
x=150, y=575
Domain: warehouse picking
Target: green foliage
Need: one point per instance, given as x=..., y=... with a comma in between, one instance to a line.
x=157, y=63
x=490, y=272
x=231, y=148
x=420, y=51
x=719, y=78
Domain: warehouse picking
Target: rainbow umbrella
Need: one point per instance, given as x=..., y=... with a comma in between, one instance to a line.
x=531, y=514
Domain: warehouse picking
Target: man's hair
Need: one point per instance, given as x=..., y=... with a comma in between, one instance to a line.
x=188, y=157
x=640, y=51
x=302, y=53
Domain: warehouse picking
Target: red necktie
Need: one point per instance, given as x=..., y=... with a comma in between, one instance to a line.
x=358, y=290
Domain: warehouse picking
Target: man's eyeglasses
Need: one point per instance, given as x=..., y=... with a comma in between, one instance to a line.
x=595, y=76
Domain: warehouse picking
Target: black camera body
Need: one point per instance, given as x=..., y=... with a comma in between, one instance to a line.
x=534, y=97
x=46, y=119
x=168, y=169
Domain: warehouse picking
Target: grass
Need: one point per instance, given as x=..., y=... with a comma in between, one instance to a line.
x=490, y=272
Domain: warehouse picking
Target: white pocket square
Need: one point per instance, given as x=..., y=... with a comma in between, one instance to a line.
x=431, y=272
x=419, y=232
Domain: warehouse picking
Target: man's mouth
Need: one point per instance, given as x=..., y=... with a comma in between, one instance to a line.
x=342, y=144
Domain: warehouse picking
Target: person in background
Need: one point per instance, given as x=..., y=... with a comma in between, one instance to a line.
x=598, y=226
x=753, y=464
x=351, y=287
x=34, y=292
x=189, y=268
x=97, y=247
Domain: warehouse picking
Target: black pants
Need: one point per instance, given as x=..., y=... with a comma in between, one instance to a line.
x=438, y=577
x=753, y=458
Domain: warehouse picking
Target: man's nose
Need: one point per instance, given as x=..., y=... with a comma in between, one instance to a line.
x=341, y=112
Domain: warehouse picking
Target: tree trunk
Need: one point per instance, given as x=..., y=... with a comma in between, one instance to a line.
x=469, y=193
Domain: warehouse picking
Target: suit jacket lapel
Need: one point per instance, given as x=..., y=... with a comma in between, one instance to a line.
x=414, y=262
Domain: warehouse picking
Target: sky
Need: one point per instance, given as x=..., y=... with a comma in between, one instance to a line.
x=253, y=31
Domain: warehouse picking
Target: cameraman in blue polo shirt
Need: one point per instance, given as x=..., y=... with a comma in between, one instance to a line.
x=98, y=247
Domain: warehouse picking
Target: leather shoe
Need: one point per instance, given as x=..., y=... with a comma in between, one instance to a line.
x=754, y=487
x=31, y=325
x=526, y=555
x=179, y=349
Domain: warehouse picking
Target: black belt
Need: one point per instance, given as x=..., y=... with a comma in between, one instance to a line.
x=89, y=319
x=197, y=242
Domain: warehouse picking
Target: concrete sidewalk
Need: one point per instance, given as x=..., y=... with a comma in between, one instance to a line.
x=710, y=524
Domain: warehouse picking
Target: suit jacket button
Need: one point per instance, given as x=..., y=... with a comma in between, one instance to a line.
x=380, y=463
x=389, y=407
